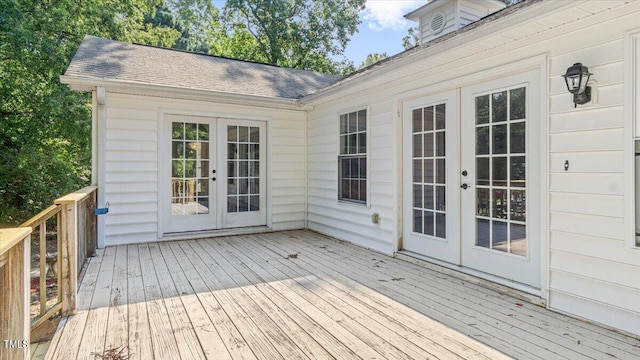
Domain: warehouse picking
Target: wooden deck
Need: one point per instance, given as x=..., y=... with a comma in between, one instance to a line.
x=300, y=295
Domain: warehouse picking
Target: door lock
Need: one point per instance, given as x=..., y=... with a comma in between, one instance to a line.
x=464, y=186
x=213, y=178
x=464, y=172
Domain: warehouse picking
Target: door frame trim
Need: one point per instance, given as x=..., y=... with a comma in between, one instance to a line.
x=161, y=197
x=538, y=62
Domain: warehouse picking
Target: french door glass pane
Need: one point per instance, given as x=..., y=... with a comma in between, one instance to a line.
x=501, y=171
x=429, y=170
x=189, y=169
x=243, y=168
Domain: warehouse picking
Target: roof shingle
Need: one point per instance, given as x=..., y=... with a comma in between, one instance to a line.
x=100, y=58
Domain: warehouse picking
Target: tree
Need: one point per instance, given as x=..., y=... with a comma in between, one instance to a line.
x=372, y=59
x=44, y=126
x=411, y=39
x=300, y=34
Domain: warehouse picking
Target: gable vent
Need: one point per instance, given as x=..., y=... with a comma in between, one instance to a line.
x=437, y=23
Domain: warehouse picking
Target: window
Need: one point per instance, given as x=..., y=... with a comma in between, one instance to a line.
x=352, y=161
x=429, y=169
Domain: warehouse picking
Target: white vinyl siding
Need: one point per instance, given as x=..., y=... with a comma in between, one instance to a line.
x=585, y=222
x=341, y=219
x=131, y=163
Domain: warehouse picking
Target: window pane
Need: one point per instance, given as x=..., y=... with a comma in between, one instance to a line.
x=254, y=203
x=441, y=171
x=482, y=109
x=203, y=132
x=232, y=186
x=482, y=202
x=428, y=197
x=353, y=146
x=499, y=171
x=416, y=116
x=232, y=133
x=428, y=145
x=500, y=239
x=417, y=196
x=243, y=153
x=500, y=204
x=343, y=124
x=482, y=140
x=243, y=168
x=417, y=171
x=518, y=206
x=417, y=145
x=518, y=171
x=363, y=190
x=417, y=221
x=499, y=144
x=428, y=223
x=232, y=204
x=254, y=136
x=353, y=122
x=254, y=151
x=441, y=226
x=428, y=118
x=243, y=134
x=190, y=131
x=517, y=103
x=518, y=239
x=190, y=150
x=243, y=186
x=243, y=203
x=254, y=169
x=362, y=143
x=517, y=138
x=429, y=171
x=343, y=144
x=482, y=171
x=232, y=168
x=440, y=144
x=499, y=106
x=362, y=120
x=190, y=169
x=344, y=189
x=177, y=130
x=440, y=116
x=231, y=151
x=440, y=198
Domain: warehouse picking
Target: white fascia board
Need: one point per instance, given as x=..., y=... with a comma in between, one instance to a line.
x=129, y=87
x=517, y=18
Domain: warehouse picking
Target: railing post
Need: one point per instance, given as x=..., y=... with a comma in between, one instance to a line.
x=69, y=273
x=15, y=324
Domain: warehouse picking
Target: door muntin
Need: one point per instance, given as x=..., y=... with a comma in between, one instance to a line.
x=500, y=163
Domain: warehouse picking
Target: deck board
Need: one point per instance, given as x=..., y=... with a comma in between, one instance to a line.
x=244, y=297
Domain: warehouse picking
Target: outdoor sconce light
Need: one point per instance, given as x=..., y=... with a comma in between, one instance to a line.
x=576, y=78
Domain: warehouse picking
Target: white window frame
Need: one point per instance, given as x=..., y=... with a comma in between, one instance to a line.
x=632, y=132
x=367, y=155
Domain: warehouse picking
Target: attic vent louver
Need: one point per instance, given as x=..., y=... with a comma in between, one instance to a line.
x=437, y=23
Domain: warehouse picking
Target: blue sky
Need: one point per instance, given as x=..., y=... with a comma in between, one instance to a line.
x=382, y=29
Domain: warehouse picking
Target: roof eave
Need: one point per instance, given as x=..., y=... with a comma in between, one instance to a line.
x=88, y=84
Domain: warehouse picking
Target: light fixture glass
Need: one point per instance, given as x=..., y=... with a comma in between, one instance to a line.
x=576, y=78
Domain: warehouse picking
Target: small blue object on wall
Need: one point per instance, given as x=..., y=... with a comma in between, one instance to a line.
x=102, y=211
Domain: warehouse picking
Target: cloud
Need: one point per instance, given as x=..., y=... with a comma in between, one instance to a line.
x=389, y=14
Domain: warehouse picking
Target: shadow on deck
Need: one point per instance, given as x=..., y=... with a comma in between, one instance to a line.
x=301, y=295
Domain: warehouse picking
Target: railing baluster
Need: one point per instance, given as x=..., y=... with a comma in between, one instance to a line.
x=42, y=281
x=59, y=254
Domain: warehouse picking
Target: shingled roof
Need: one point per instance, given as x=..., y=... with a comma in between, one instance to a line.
x=104, y=59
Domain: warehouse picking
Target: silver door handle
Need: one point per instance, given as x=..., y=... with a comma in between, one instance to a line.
x=464, y=186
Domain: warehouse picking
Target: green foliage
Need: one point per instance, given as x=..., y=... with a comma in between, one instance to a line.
x=301, y=34
x=372, y=59
x=411, y=39
x=45, y=128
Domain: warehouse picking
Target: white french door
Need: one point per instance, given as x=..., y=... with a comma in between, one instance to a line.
x=470, y=194
x=500, y=198
x=213, y=174
x=430, y=130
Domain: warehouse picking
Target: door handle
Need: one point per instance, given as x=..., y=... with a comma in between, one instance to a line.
x=464, y=186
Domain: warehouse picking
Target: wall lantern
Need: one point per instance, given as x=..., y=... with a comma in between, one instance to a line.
x=576, y=78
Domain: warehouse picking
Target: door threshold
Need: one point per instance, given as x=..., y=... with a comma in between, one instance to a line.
x=501, y=285
x=215, y=233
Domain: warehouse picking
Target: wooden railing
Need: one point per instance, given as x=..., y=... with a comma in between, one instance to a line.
x=60, y=237
x=14, y=293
